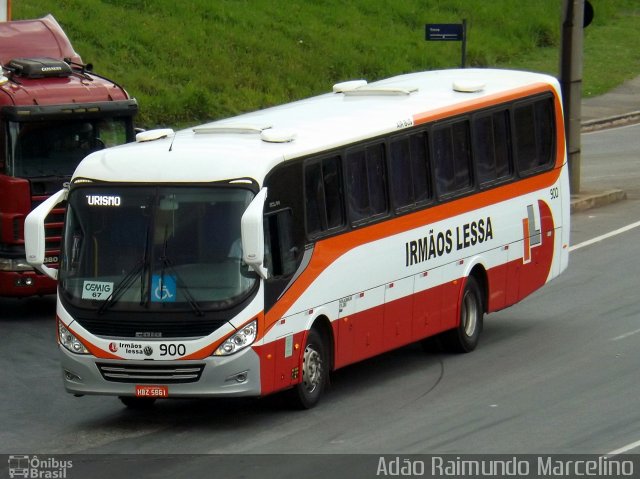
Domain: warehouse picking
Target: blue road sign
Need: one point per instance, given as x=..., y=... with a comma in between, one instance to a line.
x=452, y=32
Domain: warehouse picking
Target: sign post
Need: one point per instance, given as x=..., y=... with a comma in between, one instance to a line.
x=449, y=32
x=5, y=10
x=576, y=15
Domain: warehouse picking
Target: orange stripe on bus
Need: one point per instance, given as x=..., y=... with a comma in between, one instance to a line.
x=329, y=250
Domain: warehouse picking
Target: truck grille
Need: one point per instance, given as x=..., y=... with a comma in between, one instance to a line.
x=150, y=373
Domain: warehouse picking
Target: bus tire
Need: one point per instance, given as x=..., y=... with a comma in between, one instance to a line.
x=137, y=403
x=306, y=394
x=464, y=338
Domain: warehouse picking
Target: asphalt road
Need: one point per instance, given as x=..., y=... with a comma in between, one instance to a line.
x=557, y=373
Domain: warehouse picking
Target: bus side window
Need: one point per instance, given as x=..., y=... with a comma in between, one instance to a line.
x=323, y=195
x=280, y=251
x=492, y=147
x=452, y=157
x=534, y=127
x=409, y=169
x=366, y=182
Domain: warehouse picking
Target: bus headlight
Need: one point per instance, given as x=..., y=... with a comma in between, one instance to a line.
x=238, y=341
x=69, y=341
x=10, y=264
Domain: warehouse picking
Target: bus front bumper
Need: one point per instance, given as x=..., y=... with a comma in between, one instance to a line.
x=217, y=376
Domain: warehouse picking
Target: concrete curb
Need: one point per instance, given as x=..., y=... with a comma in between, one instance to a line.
x=594, y=199
x=610, y=121
x=588, y=200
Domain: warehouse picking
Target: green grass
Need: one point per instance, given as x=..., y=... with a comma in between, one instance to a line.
x=195, y=60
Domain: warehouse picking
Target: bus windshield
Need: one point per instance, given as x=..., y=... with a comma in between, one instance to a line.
x=55, y=147
x=137, y=248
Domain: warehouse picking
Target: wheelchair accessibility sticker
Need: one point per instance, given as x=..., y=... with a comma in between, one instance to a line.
x=163, y=288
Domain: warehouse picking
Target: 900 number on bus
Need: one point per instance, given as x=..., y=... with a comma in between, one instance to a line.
x=173, y=350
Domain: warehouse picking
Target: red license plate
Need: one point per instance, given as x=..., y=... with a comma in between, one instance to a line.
x=147, y=391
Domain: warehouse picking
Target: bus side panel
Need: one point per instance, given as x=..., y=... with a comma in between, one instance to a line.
x=280, y=355
x=450, y=292
x=343, y=331
x=427, y=304
x=288, y=359
x=497, y=284
x=359, y=329
x=538, y=254
x=266, y=353
x=530, y=259
x=368, y=324
x=398, y=313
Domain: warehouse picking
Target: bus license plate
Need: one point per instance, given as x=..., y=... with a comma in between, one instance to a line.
x=152, y=391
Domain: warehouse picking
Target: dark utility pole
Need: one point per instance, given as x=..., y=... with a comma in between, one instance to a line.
x=571, y=83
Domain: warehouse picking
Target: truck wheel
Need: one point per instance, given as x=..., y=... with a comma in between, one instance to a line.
x=306, y=394
x=464, y=338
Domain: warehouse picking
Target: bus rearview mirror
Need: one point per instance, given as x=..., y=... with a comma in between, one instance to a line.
x=253, y=234
x=34, y=233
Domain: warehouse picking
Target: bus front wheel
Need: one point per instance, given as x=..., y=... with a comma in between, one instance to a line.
x=464, y=338
x=306, y=394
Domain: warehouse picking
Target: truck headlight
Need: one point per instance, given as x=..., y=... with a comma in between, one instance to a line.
x=14, y=264
x=69, y=341
x=243, y=338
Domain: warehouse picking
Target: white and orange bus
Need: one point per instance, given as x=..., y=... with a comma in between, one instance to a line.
x=258, y=253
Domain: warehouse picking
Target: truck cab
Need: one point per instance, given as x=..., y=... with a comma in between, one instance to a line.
x=54, y=110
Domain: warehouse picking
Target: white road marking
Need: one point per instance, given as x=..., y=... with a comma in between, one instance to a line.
x=623, y=449
x=605, y=236
x=625, y=335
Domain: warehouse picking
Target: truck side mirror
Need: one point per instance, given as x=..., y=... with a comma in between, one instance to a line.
x=34, y=234
x=253, y=234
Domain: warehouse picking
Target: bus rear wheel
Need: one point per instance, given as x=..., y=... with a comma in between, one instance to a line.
x=306, y=394
x=464, y=338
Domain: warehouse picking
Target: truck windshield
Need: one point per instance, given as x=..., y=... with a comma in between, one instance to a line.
x=55, y=147
x=136, y=248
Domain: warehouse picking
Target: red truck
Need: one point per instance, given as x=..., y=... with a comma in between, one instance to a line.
x=53, y=112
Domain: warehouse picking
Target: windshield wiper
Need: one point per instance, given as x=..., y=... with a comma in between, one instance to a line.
x=129, y=278
x=123, y=285
x=166, y=263
x=144, y=295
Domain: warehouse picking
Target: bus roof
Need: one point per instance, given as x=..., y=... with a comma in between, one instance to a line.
x=250, y=145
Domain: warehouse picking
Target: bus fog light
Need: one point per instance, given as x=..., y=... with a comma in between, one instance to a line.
x=239, y=340
x=69, y=376
x=69, y=341
x=238, y=377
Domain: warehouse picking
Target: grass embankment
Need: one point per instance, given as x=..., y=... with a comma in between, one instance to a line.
x=196, y=60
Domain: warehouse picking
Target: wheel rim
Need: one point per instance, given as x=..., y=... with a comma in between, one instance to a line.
x=311, y=369
x=469, y=314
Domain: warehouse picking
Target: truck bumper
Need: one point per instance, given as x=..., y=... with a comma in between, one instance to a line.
x=20, y=284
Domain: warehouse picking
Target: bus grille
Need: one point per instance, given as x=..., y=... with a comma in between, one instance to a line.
x=151, y=373
x=158, y=328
